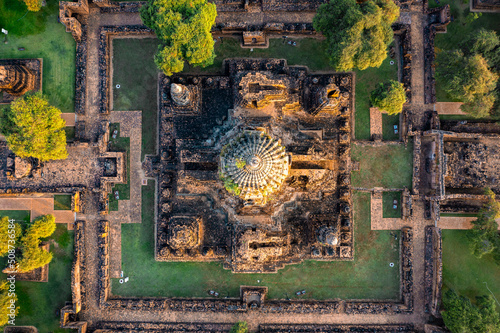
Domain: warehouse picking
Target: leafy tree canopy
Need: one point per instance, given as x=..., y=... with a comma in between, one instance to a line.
x=33, y=128
x=183, y=27
x=486, y=43
x=239, y=327
x=461, y=316
x=6, y=234
x=389, y=96
x=468, y=79
x=33, y=5
x=5, y=302
x=357, y=33
x=483, y=236
x=33, y=256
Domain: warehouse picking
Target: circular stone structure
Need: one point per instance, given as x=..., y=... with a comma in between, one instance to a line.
x=254, y=165
x=328, y=236
x=180, y=94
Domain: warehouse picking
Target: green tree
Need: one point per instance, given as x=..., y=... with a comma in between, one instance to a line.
x=357, y=34
x=7, y=234
x=483, y=42
x=484, y=233
x=461, y=316
x=6, y=300
x=33, y=128
x=389, y=96
x=467, y=79
x=239, y=327
x=183, y=28
x=33, y=256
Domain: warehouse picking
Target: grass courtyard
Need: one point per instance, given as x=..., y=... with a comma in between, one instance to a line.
x=40, y=303
x=463, y=272
x=368, y=276
x=57, y=49
x=389, y=208
x=389, y=166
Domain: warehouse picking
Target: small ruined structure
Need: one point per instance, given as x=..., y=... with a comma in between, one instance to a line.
x=328, y=236
x=488, y=6
x=180, y=94
x=74, y=15
x=16, y=79
x=458, y=162
x=19, y=76
x=254, y=166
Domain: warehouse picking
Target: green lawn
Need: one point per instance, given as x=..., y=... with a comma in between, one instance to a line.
x=18, y=215
x=368, y=276
x=389, y=166
x=365, y=82
x=136, y=73
x=40, y=302
x=70, y=133
x=457, y=31
x=120, y=144
x=18, y=21
x=62, y=202
x=465, y=273
x=57, y=49
x=388, y=204
x=388, y=123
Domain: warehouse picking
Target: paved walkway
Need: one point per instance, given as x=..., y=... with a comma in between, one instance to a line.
x=458, y=222
x=417, y=107
x=70, y=119
x=129, y=211
x=375, y=122
x=452, y=108
x=261, y=18
x=378, y=222
x=37, y=207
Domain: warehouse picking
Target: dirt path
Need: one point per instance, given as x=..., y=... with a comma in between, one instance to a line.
x=417, y=107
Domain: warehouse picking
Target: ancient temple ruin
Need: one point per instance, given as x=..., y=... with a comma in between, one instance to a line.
x=254, y=167
x=19, y=76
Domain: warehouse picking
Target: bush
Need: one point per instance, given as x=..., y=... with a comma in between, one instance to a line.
x=33, y=128
x=389, y=96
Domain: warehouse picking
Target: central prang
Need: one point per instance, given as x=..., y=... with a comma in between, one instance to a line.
x=254, y=162
x=253, y=166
